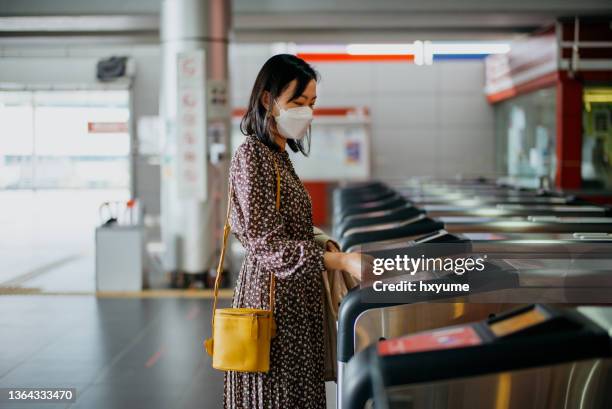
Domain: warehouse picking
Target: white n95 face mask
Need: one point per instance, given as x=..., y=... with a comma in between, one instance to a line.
x=293, y=123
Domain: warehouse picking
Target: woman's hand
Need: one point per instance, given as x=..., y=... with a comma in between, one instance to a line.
x=358, y=264
x=331, y=246
x=352, y=263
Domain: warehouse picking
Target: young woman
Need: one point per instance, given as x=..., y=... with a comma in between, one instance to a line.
x=281, y=241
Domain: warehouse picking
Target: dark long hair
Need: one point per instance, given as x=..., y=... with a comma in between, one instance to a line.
x=274, y=77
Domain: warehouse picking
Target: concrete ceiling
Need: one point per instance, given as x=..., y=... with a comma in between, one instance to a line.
x=72, y=7
x=313, y=20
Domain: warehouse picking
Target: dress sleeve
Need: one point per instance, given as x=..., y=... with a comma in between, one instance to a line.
x=254, y=182
x=321, y=238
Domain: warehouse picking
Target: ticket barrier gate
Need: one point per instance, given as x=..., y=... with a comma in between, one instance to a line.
x=426, y=315
x=532, y=224
x=534, y=357
x=408, y=211
x=452, y=192
x=396, y=218
x=356, y=204
x=404, y=212
x=365, y=191
x=353, y=206
x=362, y=322
x=511, y=210
x=389, y=222
x=355, y=318
x=491, y=200
x=442, y=185
x=351, y=202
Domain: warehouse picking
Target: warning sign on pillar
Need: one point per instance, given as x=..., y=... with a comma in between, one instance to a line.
x=191, y=125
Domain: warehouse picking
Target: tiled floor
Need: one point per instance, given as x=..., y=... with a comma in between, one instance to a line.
x=47, y=239
x=117, y=352
x=134, y=351
x=48, y=229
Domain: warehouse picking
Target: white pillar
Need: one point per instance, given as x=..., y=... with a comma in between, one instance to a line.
x=194, y=107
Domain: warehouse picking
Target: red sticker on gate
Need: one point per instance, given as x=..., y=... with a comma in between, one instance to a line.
x=456, y=337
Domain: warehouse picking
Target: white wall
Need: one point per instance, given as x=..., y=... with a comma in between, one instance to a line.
x=426, y=120
x=431, y=120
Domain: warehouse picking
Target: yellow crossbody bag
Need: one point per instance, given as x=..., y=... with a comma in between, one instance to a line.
x=241, y=337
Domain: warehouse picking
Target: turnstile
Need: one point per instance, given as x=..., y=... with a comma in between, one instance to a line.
x=357, y=221
x=532, y=224
x=533, y=357
x=409, y=210
x=362, y=322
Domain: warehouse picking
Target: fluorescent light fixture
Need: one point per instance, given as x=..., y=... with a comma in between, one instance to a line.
x=512, y=223
x=380, y=49
x=424, y=52
x=283, y=48
x=467, y=202
x=102, y=23
x=469, y=48
x=418, y=53
x=598, y=98
x=597, y=95
x=321, y=49
x=427, y=53
x=488, y=212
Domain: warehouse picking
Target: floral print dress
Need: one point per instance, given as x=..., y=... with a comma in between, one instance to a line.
x=280, y=242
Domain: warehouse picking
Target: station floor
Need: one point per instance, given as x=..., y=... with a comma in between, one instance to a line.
x=116, y=352
x=130, y=350
x=47, y=238
x=137, y=351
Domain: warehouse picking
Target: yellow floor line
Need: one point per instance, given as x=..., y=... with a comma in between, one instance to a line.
x=17, y=281
x=18, y=291
x=161, y=293
x=165, y=293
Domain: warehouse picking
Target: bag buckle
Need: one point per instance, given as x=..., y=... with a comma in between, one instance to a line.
x=209, y=346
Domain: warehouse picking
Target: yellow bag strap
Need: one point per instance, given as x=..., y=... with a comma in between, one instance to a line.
x=226, y=231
